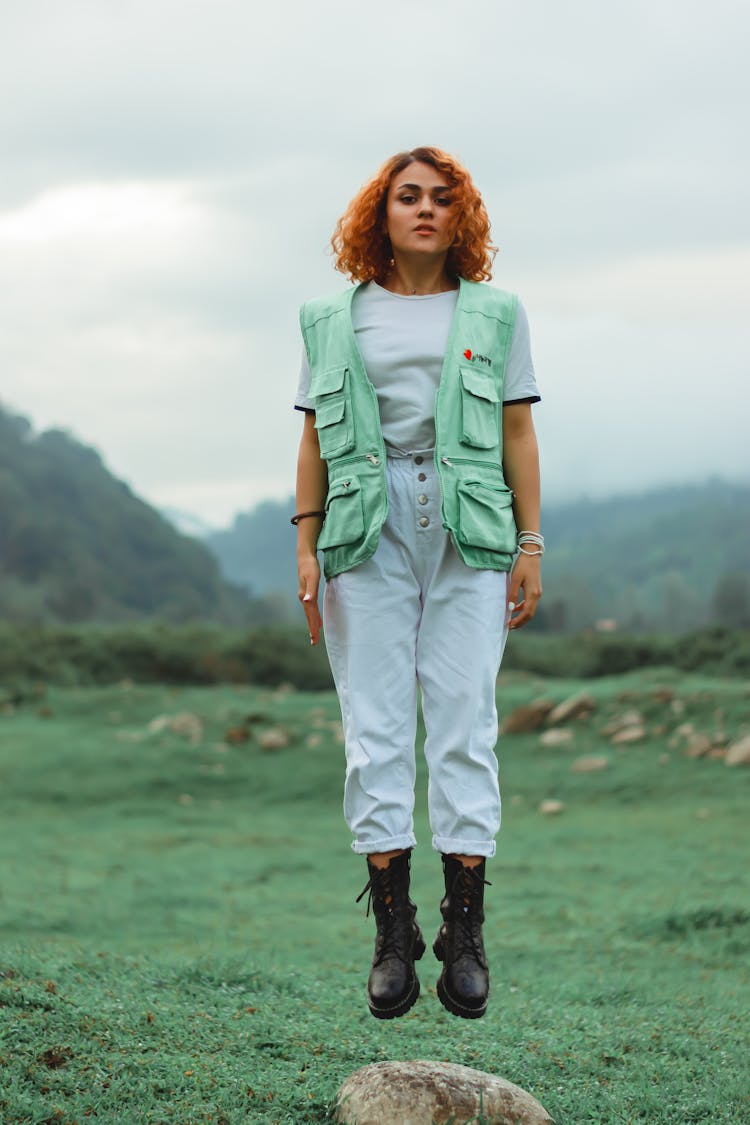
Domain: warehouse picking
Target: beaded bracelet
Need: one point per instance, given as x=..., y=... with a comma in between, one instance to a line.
x=303, y=516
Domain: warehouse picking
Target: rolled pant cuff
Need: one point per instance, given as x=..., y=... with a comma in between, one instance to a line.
x=386, y=844
x=450, y=846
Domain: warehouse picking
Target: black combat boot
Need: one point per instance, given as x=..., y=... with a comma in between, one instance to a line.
x=393, y=987
x=464, y=983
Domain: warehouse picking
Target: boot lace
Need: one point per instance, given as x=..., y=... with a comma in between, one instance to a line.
x=466, y=914
x=393, y=931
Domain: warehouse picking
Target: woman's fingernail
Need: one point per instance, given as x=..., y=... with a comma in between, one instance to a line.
x=511, y=606
x=312, y=642
x=307, y=598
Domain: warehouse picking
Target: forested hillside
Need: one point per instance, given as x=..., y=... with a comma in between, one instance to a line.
x=77, y=545
x=672, y=559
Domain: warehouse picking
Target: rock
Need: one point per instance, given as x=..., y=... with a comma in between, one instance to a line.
x=433, y=1093
x=312, y=741
x=631, y=718
x=663, y=695
x=523, y=720
x=551, y=807
x=738, y=754
x=274, y=738
x=684, y=730
x=184, y=723
x=698, y=745
x=678, y=706
x=556, y=737
x=590, y=763
x=629, y=734
x=237, y=735
x=577, y=707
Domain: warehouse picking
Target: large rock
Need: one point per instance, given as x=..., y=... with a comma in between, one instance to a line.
x=738, y=753
x=433, y=1093
x=556, y=736
x=576, y=707
x=528, y=718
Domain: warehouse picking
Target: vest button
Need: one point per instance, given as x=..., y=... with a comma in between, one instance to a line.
x=422, y=476
x=418, y=460
x=422, y=499
x=424, y=521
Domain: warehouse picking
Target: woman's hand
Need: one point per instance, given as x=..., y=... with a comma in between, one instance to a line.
x=308, y=569
x=524, y=590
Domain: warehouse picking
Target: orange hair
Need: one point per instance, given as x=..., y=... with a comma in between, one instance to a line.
x=362, y=250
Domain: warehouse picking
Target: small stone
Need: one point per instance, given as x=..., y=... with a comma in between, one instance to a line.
x=738, y=754
x=663, y=695
x=577, y=707
x=516, y=800
x=237, y=735
x=185, y=799
x=663, y=759
x=590, y=763
x=630, y=718
x=556, y=737
x=702, y=814
x=433, y=1093
x=698, y=745
x=551, y=807
x=312, y=741
x=523, y=720
x=273, y=738
x=629, y=734
x=678, y=706
x=685, y=730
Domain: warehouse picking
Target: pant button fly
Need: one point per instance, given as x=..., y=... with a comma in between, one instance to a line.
x=422, y=476
x=424, y=521
x=422, y=499
x=418, y=460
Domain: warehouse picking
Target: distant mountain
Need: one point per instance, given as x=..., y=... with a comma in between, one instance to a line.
x=258, y=551
x=77, y=545
x=668, y=559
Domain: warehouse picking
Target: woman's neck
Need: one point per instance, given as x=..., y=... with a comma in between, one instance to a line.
x=410, y=278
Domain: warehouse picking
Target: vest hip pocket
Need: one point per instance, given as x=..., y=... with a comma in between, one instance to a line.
x=333, y=412
x=485, y=517
x=480, y=420
x=345, y=519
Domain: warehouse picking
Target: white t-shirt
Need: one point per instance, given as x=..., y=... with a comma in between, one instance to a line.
x=402, y=341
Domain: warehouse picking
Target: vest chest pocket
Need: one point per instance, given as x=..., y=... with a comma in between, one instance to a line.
x=485, y=517
x=345, y=521
x=480, y=421
x=333, y=411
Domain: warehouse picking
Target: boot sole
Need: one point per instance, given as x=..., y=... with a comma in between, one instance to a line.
x=445, y=997
x=411, y=997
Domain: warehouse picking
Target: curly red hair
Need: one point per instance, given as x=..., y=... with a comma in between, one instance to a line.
x=361, y=248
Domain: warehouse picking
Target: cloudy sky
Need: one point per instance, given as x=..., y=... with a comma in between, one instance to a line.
x=172, y=171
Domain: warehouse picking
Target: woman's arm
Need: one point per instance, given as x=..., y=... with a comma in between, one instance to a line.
x=312, y=485
x=521, y=468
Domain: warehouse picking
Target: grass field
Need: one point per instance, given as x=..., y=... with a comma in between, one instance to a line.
x=179, y=941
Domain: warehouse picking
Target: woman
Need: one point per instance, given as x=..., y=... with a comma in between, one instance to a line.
x=417, y=463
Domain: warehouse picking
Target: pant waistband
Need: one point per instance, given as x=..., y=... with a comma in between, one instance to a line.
x=394, y=453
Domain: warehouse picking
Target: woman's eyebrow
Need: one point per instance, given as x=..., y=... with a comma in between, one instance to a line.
x=418, y=187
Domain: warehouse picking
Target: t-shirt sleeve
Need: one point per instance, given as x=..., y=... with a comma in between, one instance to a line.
x=302, y=400
x=520, y=379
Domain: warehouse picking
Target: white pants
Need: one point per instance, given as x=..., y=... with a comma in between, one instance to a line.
x=415, y=615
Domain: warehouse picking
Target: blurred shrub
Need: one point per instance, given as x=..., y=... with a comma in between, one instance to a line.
x=271, y=655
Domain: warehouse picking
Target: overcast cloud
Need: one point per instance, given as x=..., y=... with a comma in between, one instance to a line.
x=171, y=174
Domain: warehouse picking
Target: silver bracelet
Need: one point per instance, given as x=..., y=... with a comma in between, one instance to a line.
x=532, y=554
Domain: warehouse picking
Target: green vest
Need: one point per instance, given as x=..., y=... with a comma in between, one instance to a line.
x=476, y=502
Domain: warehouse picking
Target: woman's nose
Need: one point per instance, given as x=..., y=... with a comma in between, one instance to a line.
x=425, y=206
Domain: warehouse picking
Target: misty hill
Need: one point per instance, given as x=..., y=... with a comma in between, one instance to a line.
x=77, y=545
x=669, y=559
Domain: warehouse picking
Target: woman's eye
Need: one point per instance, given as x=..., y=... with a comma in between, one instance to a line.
x=407, y=198
x=443, y=201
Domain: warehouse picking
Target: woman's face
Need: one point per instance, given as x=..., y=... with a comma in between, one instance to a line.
x=420, y=214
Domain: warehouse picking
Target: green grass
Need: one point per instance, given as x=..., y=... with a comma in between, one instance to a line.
x=179, y=940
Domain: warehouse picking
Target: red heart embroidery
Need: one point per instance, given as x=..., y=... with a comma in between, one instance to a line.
x=467, y=353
